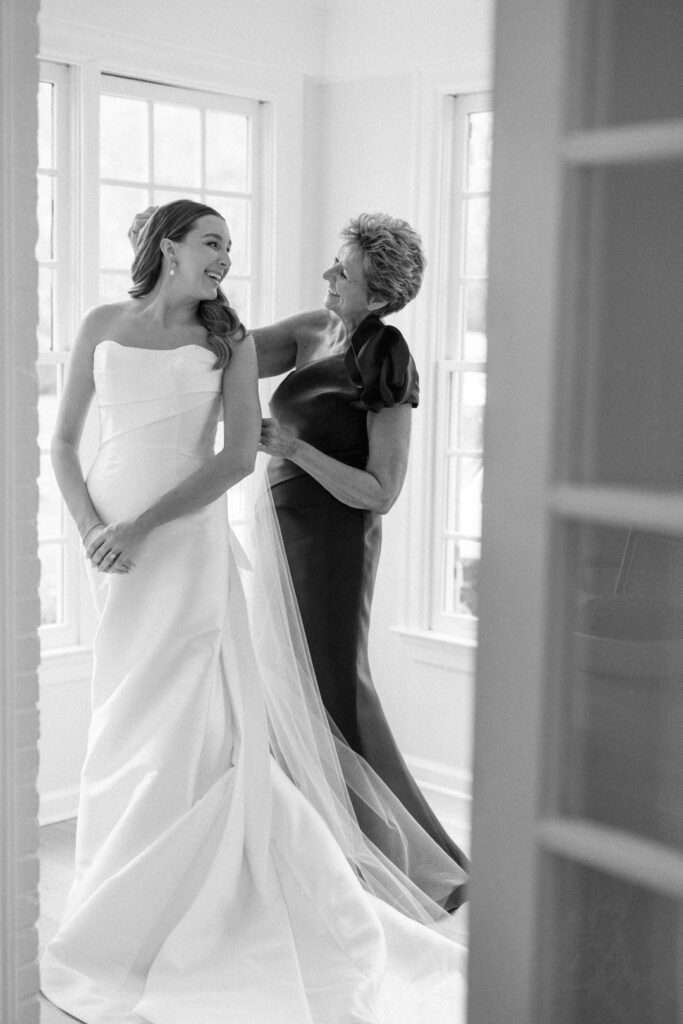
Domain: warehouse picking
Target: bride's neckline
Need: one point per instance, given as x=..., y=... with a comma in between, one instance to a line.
x=141, y=348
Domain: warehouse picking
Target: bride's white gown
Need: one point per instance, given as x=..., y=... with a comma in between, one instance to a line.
x=207, y=890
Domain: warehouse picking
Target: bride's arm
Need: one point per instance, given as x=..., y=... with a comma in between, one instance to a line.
x=242, y=416
x=73, y=409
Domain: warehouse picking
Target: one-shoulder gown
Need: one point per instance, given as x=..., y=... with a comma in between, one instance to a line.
x=333, y=549
x=207, y=890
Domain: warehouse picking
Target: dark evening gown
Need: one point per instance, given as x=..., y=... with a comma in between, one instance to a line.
x=333, y=549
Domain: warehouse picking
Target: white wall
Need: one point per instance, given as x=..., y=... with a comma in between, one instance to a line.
x=281, y=34
x=352, y=130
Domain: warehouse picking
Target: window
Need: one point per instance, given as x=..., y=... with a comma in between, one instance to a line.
x=159, y=143
x=156, y=143
x=461, y=373
x=58, y=538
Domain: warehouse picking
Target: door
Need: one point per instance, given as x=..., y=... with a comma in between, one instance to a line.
x=578, y=807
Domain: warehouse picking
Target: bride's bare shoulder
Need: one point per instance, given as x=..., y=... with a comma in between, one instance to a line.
x=114, y=313
x=103, y=321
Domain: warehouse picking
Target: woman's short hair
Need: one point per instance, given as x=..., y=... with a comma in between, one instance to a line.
x=174, y=220
x=392, y=258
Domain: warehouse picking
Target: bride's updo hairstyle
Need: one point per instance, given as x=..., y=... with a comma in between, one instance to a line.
x=173, y=221
x=392, y=258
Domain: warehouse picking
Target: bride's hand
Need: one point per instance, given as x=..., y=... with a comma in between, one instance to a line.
x=111, y=548
x=277, y=440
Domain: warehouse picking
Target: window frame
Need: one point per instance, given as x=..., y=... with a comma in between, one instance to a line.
x=66, y=633
x=152, y=92
x=77, y=102
x=451, y=323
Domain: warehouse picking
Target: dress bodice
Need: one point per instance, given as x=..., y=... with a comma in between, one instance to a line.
x=326, y=402
x=157, y=398
x=158, y=415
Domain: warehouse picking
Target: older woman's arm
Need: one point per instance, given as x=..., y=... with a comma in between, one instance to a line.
x=376, y=487
x=278, y=345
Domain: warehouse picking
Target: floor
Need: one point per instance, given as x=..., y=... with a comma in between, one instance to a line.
x=56, y=868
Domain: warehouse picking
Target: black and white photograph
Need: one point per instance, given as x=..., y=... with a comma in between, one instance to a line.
x=341, y=469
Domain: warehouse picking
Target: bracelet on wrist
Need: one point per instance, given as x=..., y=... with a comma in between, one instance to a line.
x=93, y=527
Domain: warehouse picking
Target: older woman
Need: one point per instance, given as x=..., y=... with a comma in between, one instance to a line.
x=339, y=436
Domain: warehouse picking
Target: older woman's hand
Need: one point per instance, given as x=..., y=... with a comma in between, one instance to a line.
x=277, y=440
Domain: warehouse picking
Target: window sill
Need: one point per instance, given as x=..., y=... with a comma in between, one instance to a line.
x=440, y=649
x=65, y=665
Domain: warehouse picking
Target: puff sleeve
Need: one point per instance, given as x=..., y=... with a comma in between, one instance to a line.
x=380, y=366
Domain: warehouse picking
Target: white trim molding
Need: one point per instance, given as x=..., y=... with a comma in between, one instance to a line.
x=434, y=92
x=19, y=611
x=448, y=791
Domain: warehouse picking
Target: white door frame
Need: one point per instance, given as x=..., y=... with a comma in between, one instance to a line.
x=19, y=610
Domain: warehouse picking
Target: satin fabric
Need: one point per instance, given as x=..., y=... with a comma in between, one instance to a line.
x=207, y=890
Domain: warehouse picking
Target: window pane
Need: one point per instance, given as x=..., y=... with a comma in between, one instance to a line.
x=161, y=196
x=451, y=497
x=476, y=237
x=47, y=403
x=227, y=151
x=479, y=151
x=177, y=145
x=469, y=517
x=622, y=695
x=472, y=402
x=118, y=206
x=622, y=80
x=45, y=309
x=50, y=525
x=45, y=125
x=124, y=138
x=44, y=247
x=462, y=577
x=464, y=477
x=474, y=303
x=236, y=213
x=239, y=296
x=114, y=287
x=616, y=952
x=627, y=428
x=51, y=584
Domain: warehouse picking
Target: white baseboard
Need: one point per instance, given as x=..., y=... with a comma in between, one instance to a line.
x=449, y=793
x=448, y=790
x=58, y=805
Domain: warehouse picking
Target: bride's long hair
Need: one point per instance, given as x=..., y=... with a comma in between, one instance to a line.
x=173, y=221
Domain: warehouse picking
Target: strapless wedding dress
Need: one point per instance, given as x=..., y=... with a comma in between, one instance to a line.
x=207, y=889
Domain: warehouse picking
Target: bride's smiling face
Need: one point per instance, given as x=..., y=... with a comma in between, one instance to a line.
x=202, y=258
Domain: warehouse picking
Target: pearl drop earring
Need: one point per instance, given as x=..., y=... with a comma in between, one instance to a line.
x=171, y=272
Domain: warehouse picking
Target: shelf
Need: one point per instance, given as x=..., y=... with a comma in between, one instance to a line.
x=642, y=143
x=640, y=861
x=619, y=506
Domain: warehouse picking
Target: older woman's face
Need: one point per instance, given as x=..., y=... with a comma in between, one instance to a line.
x=347, y=293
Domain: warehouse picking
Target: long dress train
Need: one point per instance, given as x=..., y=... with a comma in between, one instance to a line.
x=207, y=888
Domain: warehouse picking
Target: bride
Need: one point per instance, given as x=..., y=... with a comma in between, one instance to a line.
x=221, y=877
